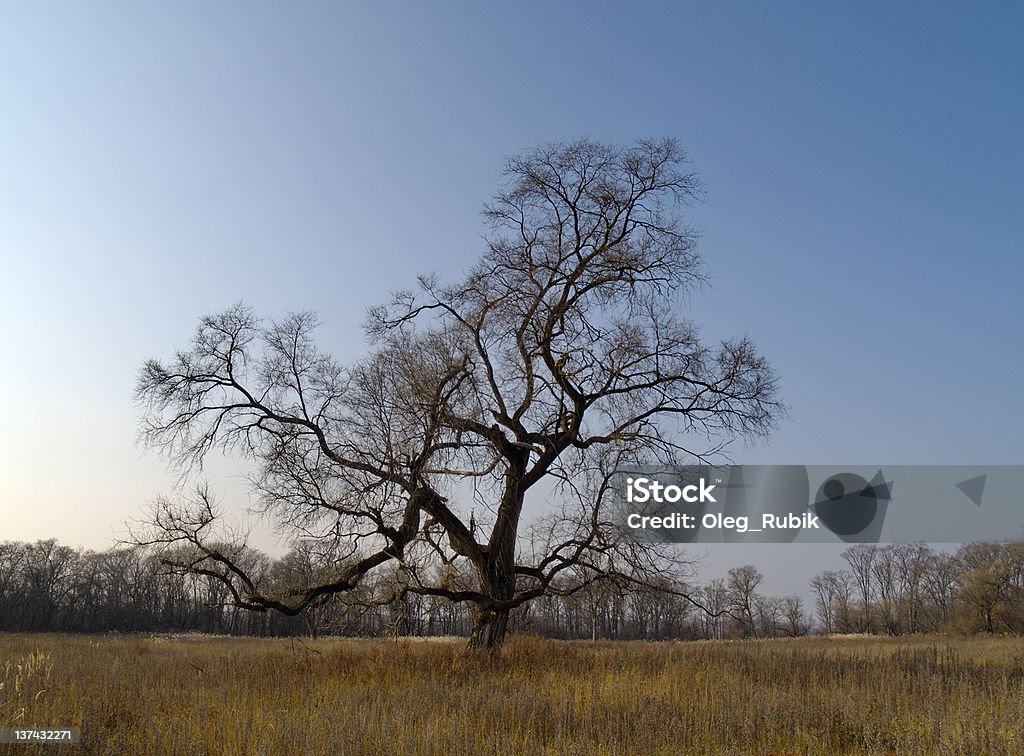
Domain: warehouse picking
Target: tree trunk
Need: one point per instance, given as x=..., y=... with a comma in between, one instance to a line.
x=498, y=573
x=489, y=629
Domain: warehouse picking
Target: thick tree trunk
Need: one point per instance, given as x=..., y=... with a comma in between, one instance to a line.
x=489, y=629
x=497, y=573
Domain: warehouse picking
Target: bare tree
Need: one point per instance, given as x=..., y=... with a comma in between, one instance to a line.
x=940, y=585
x=559, y=356
x=884, y=570
x=833, y=592
x=769, y=613
x=823, y=585
x=991, y=586
x=861, y=558
x=914, y=561
x=796, y=623
x=741, y=583
x=715, y=597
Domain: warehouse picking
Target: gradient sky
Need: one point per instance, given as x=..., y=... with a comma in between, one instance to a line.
x=863, y=221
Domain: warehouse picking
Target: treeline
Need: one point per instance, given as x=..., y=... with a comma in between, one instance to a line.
x=895, y=589
x=45, y=586
x=912, y=588
x=730, y=607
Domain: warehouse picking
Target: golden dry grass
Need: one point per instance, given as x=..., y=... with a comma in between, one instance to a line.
x=190, y=695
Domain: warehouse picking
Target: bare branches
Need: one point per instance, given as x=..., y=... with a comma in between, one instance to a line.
x=561, y=349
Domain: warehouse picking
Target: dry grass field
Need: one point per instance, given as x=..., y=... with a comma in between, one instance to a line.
x=195, y=695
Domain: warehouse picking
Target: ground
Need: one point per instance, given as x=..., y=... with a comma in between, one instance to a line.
x=194, y=695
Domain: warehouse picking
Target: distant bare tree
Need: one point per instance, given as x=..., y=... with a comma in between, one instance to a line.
x=796, y=622
x=741, y=584
x=833, y=592
x=715, y=597
x=940, y=586
x=991, y=586
x=769, y=613
x=559, y=356
x=913, y=562
x=861, y=558
x=885, y=572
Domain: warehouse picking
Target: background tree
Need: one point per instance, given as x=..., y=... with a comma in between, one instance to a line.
x=861, y=559
x=559, y=356
x=741, y=584
x=715, y=597
x=991, y=586
x=796, y=621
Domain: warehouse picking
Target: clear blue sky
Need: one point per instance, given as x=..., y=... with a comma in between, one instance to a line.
x=863, y=221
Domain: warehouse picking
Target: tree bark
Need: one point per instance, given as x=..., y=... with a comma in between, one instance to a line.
x=489, y=629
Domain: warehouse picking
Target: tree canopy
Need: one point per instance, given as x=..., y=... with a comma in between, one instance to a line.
x=560, y=355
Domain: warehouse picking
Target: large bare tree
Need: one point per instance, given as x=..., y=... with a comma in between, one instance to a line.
x=560, y=355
